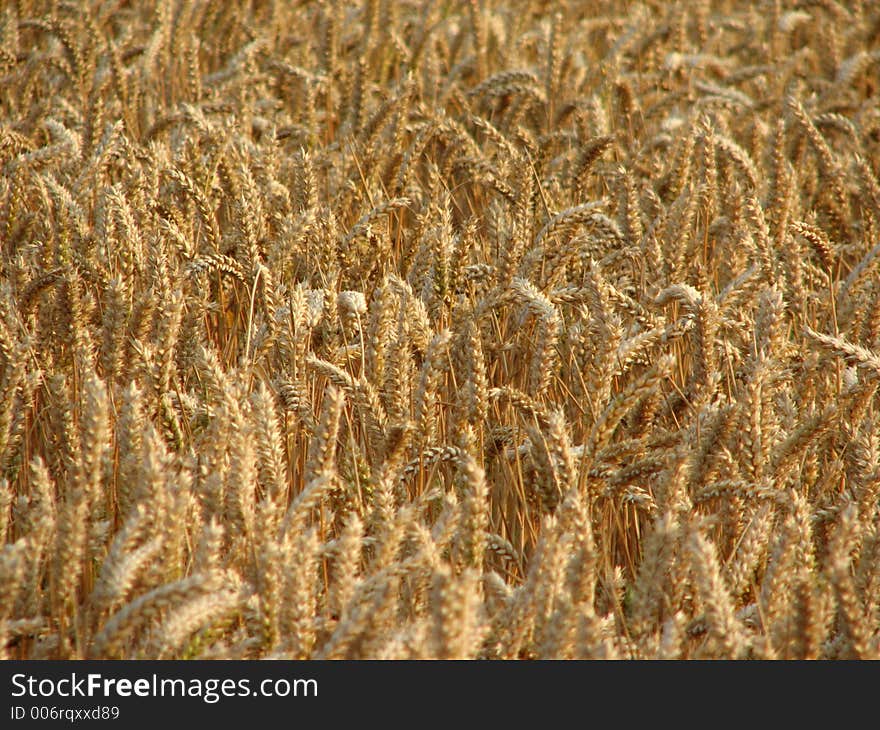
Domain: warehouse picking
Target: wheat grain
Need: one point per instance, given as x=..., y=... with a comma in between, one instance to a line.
x=456, y=332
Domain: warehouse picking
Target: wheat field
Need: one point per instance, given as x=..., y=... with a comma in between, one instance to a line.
x=459, y=329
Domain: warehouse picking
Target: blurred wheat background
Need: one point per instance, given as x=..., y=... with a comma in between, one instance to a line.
x=454, y=329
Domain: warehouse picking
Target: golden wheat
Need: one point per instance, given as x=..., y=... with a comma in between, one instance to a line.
x=506, y=330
